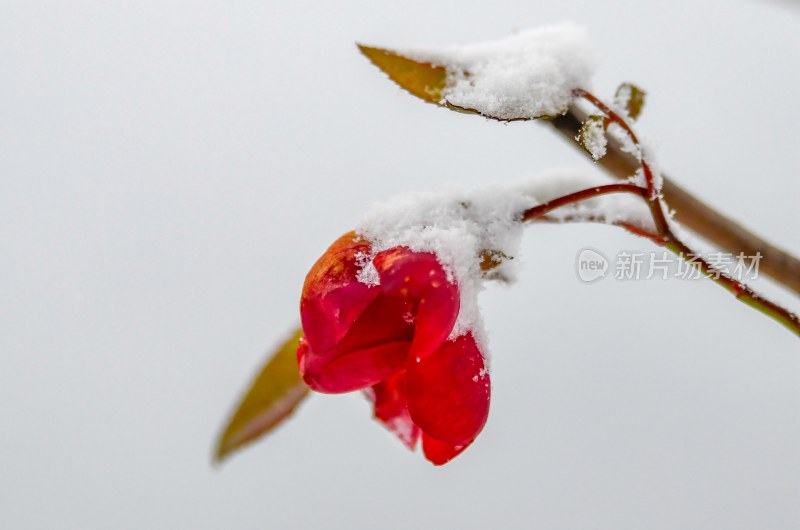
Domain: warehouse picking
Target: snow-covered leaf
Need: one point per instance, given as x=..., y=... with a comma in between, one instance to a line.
x=526, y=76
x=272, y=397
x=631, y=98
x=592, y=136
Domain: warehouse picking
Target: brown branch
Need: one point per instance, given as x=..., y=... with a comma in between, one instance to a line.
x=693, y=213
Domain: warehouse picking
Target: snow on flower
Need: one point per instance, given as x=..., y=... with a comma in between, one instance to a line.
x=458, y=226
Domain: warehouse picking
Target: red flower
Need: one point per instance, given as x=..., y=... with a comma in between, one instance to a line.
x=390, y=339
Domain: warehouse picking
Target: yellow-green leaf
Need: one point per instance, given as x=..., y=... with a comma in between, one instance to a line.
x=272, y=397
x=631, y=98
x=424, y=80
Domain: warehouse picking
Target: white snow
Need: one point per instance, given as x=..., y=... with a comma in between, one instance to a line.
x=593, y=137
x=527, y=75
x=626, y=143
x=649, y=156
x=459, y=225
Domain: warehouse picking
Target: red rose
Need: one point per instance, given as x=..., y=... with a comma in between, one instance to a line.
x=391, y=339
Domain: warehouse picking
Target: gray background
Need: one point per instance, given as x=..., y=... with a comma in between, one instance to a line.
x=170, y=170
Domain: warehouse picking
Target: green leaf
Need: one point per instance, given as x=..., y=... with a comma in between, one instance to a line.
x=272, y=397
x=631, y=98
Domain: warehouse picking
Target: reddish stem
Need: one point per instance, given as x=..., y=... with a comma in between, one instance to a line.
x=541, y=210
x=655, y=238
x=616, y=118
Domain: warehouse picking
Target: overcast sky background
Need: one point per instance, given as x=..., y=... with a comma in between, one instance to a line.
x=170, y=170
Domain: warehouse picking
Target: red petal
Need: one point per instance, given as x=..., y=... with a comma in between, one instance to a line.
x=332, y=295
x=448, y=392
x=389, y=398
x=302, y=353
x=420, y=277
x=439, y=453
x=374, y=348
